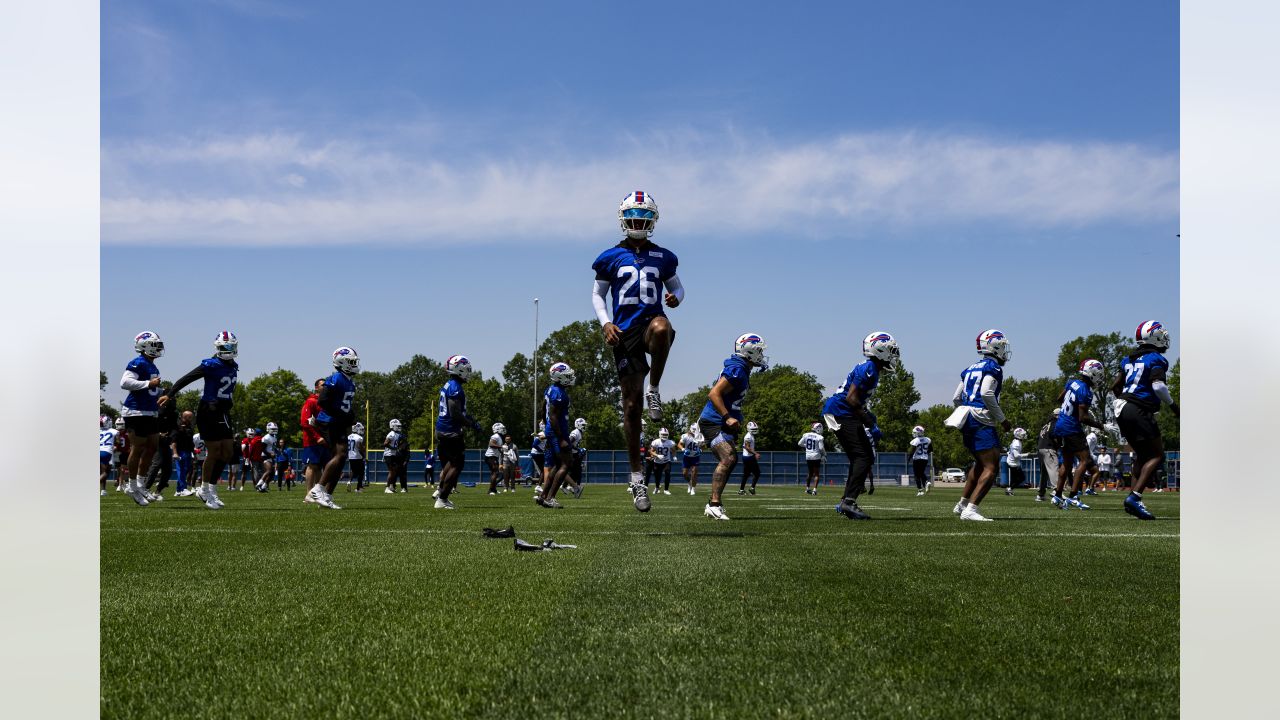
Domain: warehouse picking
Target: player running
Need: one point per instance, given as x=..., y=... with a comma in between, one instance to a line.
x=750, y=459
x=978, y=412
x=451, y=420
x=815, y=452
x=1076, y=398
x=634, y=273
x=558, y=446
x=690, y=447
x=334, y=421
x=142, y=381
x=662, y=452
x=921, y=454
x=1140, y=390
x=213, y=416
x=845, y=413
x=721, y=418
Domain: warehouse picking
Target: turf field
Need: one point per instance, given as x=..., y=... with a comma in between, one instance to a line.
x=388, y=608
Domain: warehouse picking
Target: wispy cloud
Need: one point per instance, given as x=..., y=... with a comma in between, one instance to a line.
x=293, y=188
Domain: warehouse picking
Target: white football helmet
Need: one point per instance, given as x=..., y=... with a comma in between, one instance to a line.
x=395, y=425
x=226, y=346
x=499, y=429
x=664, y=433
x=816, y=427
x=104, y=421
x=1093, y=371
x=149, y=344
x=751, y=347
x=917, y=431
x=993, y=343
x=358, y=428
x=638, y=215
x=346, y=361
x=752, y=427
x=1152, y=333
x=250, y=432
x=1020, y=433
x=459, y=366
x=580, y=424
x=881, y=346
x=272, y=428
x=562, y=374
x=119, y=423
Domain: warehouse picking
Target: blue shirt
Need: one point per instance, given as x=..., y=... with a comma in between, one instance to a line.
x=972, y=378
x=444, y=422
x=143, y=400
x=1078, y=394
x=536, y=447
x=337, y=401
x=738, y=372
x=865, y=376
x=1139, y=374
x=219, y=380
x=635, y=280
x=557, y=421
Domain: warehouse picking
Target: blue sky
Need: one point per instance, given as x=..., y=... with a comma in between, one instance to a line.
x=406, y=177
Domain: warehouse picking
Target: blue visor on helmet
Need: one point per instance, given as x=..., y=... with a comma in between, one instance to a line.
x=641, y=213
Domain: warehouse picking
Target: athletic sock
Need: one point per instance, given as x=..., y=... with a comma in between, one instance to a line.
x=1135, y=495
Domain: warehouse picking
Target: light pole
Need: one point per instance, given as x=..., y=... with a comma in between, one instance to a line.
x=535, y=366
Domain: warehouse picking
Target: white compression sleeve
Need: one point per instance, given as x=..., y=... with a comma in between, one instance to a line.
x=599, y=292
x=131, y=382
x=958, y=396
x=989, y=399
x=1162, y=391
x=675, y=288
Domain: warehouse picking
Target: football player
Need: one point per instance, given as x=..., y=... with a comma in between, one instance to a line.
x=1140, y=390
x=977, y=398
x=690, y=447
x=451, y=420
x=160, y=471
x=1047, y=447
x=845, y=413
x=334, y=421
x=750, y=459
x=493, y=456
x=921, y=453
x=579, y=457
x=1014, y=460
x=356, y=455
x=815, y=452
x=395, y=455
x=661, y=452
x=721, y=418
x=268, y=443
x=535, y=455
x=635, y=273
x=142, y=381
x=106, y=449
x=558, y=446
x=184, y=450
x=213, y=416
x=1076, y=397
x=315, y=453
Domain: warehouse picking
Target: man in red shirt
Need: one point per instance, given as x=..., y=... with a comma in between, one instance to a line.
x=315, y=453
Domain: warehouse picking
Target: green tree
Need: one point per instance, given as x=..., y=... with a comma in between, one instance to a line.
x=784, y=402
x=582, y=345
x=1029, y=404
x=103, y=407
x=276, y=397
x=1166, y=420
x=892, y=403
x=948, y=448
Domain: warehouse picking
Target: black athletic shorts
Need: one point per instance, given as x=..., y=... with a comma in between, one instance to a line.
x=357, y=469
x=1074, y=443
x=335, y=432
x=814, y=465
x=451, y=449
x=213, y=423
x=142, y=425
x=1136, y=423
x=750, y=465
x=491, y=462
x=631, y=354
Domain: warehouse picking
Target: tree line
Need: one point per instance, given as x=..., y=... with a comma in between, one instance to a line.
x=784, y=401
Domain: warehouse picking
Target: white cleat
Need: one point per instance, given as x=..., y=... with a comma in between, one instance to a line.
x=389, y=491
x=665, y=492
x=715, y=512
x=212, y=501
x=444, y=504
x=919, y=493
x=326, y=500
x=403, y=490
x=435, y=495
x=928, y=484
x=102, y=494
x=971, y=513
x=653, y=401
x=139, y=496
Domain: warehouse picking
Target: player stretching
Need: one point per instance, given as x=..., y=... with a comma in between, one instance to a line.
x=451, y=420
x=1140, y=390
x=1076, y=398
x=142, y=379
x=634, y=273
x=977, y=398
x=815, y=452
x=750, y=459
x=921, y=453
x=845, y=413
x=558, y=446
x=213, y=416
x=721, y=418
x=334, y=422
x=690, y=446
x=661, y=450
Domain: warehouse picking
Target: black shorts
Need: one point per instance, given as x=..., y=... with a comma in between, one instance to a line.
x=750, y=465
x=491, y=462
x=451, y=449
x=813, y=465
x=712, y=430
x=537, y=461
x=335, y=433
x=392, y=461
x=357, y=469
x=1136, y=423
x=1074, y=443
x=630, y=355
x=213, y=423
x=142, y=425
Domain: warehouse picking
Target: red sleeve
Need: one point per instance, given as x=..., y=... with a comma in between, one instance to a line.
x=309, y=434
x=255, y=449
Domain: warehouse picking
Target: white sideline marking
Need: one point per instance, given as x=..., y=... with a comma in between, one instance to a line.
x=460, y=531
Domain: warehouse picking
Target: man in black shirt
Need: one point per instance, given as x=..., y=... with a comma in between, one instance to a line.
x=184, y=448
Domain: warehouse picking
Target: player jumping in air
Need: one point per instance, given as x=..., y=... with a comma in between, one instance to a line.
x=451, y=420
x=977, y=398
x=334, y=421
x=142, y=380
x=1076, y=398
x=721, y=418
x=213, y=416
x=1140, y=390
x=558, y=447
x=634, y=274
x=845, y=413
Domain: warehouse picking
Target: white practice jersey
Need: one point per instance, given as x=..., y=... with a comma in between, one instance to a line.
x=814, y=446
x=662, y=450
x=1092, y=440
x=495, y=446
x=1104, y=462
x=920, y=448
x=692, y=444
x=198, y=448
x=394, y=445
x=575, y=437
x=268, y=447
x=355, y=446
x=749, y=445
x=1014, y=457
x=107, y=440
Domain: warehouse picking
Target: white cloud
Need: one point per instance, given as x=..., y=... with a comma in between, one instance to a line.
x=345, y=190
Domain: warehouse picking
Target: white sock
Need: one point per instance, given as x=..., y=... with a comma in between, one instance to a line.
x=964, y=502
x=637, y=478
x=651, y=388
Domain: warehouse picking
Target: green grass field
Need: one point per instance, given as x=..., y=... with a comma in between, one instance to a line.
x=388, y=608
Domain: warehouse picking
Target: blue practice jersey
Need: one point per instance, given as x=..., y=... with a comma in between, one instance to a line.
x=143, y=400
x=635, y=280
x=738, y=372
x=536, y=447
x=972, y=378
x=557, y=421
x=1139, y=374
x=338, y=399
x=219, y=380
x=866, y=376
x=445, y=423
x=1077, y=395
